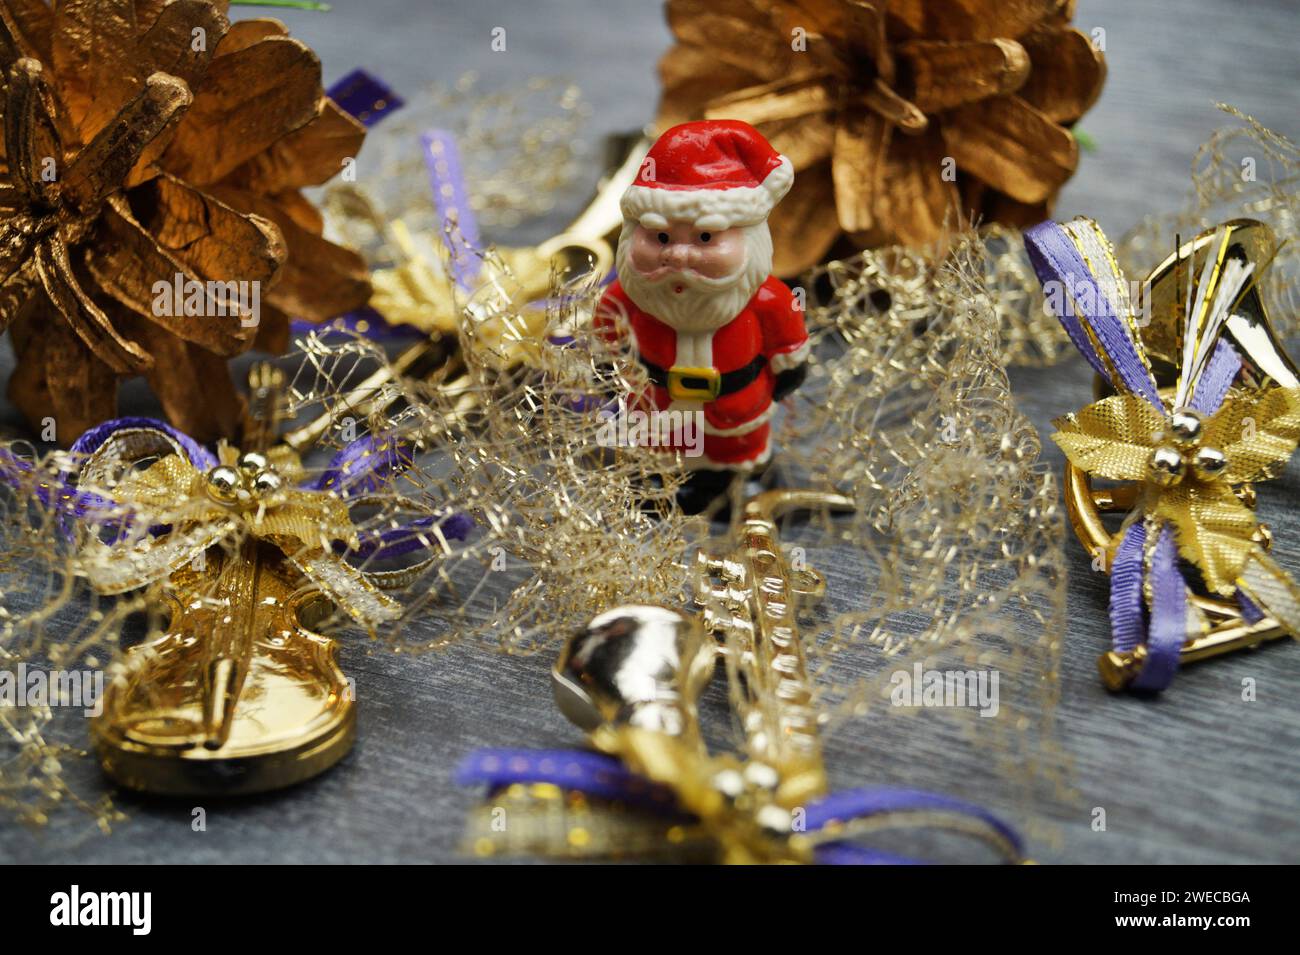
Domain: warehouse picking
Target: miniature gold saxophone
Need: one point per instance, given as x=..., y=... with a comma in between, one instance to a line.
x=632, y=677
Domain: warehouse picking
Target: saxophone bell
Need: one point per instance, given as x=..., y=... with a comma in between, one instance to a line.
x=635, y=665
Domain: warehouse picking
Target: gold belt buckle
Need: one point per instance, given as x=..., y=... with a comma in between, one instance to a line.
x=686, y=383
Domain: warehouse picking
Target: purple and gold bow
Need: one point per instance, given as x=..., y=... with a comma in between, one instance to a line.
x=1192, y=448
x=185, y=499
x=554, y=786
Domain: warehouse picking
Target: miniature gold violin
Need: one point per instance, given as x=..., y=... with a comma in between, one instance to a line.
x=237, y=693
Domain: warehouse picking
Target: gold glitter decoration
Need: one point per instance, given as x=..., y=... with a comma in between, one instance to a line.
x=48, y=621
x=1030, y=335
x=565, y=524
x=958, y=532
x=952, y=559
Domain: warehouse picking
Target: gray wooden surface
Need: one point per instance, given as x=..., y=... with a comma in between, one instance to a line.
x=1196, y=776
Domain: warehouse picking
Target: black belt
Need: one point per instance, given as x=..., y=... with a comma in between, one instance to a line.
x=732, y=381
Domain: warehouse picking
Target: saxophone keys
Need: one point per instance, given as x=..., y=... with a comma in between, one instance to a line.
x=809, y=584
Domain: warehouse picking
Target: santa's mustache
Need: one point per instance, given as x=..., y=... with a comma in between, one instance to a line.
x=667, y=275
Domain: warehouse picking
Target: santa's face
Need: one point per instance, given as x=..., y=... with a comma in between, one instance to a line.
x=680, y=250
x=692, y=279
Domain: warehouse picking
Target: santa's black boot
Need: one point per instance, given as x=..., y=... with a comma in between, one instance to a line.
x=703, y=488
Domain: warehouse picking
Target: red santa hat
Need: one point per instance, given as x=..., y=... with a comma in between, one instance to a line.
x=713, y=173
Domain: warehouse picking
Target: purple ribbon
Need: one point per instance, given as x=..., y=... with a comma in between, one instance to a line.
x=1058, y=264
x=1218, y=376
x=1249, y=609
x=362, y=465
x=605, y=777
x=52, y=490
x=91, y=441
x=360, y=468
x=1039, y=242
x=1127, y=615
x=595, y=774
x=451, y=199
x=365, y=97
x=870, y=801
x=1168, y=627
x=414, y=535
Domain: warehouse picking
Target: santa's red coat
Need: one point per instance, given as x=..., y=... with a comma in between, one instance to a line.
x=771, y=325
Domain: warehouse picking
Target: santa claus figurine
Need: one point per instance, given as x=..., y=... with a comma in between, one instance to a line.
x=715, y=330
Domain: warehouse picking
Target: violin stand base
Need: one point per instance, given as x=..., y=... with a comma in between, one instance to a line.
x=203, y=772
x=236, y=695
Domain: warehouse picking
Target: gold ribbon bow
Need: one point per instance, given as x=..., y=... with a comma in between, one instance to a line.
x=1189, y=474
x=732, y=822
x=250, y=495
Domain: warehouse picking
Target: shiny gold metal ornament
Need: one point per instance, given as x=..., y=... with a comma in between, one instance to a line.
x=870, y=100
x=632, y=676
x=1209, y=463
x=153, y=147
x=1186, y=426
x=237, y=694
x=1165, y=467
x=223, y=484
x=1204, y=469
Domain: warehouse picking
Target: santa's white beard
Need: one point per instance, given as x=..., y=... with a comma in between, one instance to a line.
x=704, y=304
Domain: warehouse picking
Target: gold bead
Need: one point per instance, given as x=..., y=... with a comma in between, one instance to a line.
x=224, y=484
x=761, y=776
x=253, y=461
x=267, y=482
x=1186, y=426
x=774, y=820
x=1165, y=467
x=1209, y=463
x=730, y=783
x=1263, y=536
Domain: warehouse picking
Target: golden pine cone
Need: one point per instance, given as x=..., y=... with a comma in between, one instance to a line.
x=145, y=139
x=899, y=115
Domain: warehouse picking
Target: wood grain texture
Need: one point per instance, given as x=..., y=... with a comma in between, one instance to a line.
x=1195, y=776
